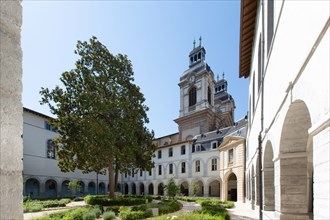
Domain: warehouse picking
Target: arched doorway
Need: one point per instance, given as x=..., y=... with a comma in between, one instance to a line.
x=91, y=188
x=81, y=191
x=126, y=189
x=141, y=189
x=133, y=189
x=268, y=175
x=101, y=188
x=65, y=192
x=199, y=191
x=295, y=163
x=151, y=189
x=257, y=182
x=232, y=187
x=214, y=188
x=50, y=189
x=32, y=188
x=184, y=188
x=161, y=189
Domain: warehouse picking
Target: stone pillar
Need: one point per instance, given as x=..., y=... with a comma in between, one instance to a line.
x=11, y=111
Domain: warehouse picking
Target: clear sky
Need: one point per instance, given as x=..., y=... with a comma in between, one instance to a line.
x=156, y=36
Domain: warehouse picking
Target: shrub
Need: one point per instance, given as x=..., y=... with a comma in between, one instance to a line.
x=96, y=211
x=106, y=201
x=89, y=216
x=36, y=207
x=76, y=214
x=127, y=214
x=109, y=215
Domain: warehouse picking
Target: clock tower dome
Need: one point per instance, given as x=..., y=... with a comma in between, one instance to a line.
x=196, y=84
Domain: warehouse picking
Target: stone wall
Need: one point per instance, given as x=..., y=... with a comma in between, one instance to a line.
x=11, y=118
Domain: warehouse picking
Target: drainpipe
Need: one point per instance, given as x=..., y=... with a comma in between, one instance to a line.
x=262, y=110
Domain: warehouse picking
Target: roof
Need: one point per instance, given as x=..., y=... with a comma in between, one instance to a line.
x=37, y=113
x=247, y=28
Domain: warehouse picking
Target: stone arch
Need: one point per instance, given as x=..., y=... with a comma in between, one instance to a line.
x=32, y=188
x=257, y=181
x=294, y=186
x=151, y=189
x=231, y=187
x=160, y=189
x=51, y=189
x=91, y=188
x=81, y=191
x=141, y=189
x=268, y=178
x=101, y=188
x=125, y=188
x=200, y=187
x=252, y=187
x=214, y=188
x=133, y=187
x=184, y=187
x=65, y=192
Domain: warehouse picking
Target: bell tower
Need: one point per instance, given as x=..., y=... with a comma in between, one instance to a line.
x=196, y=84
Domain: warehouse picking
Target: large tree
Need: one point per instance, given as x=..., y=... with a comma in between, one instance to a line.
x=100, y=115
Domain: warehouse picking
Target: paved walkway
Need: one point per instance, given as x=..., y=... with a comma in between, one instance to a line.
x=243, y=211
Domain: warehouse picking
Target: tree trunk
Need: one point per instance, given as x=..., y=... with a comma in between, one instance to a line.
x=116, y=177
x=111, y=181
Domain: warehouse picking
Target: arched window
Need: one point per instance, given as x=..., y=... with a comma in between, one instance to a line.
x=209, y=95
x=192, y=96
x=50, y=149
x=197, y=166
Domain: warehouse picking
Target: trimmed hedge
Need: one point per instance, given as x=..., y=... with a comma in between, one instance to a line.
x=38, y=205
x=128, y=214
x=106, y=201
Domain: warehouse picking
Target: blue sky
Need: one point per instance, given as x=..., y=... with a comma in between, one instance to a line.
x=156, y=36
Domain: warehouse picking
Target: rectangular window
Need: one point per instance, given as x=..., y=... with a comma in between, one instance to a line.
x=125, y=175
x=159, y=154
x=183, y=167
x=197, y=166
x=133, y=173
x=170, y=168
x=214, y=164
x=140, y=172
x=183, y=149
x=150, y=172
x=159, y=169
x=48, y=126
x=231, y=155
x=214, y=145
x=170, y=152
x=193, y=149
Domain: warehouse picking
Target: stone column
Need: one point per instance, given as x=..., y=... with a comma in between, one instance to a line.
x=11, y=111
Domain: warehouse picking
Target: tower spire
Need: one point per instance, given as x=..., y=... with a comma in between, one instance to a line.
x=194, y=43
x=200, y=40
x=223, y=75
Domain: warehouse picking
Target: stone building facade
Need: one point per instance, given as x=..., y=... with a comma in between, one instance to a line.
x=191, y=156
x=42, y=177
x=284, y=51
x=11, y=120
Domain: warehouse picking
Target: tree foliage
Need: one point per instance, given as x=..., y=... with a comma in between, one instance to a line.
x=100, y=114
x=171, y=188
